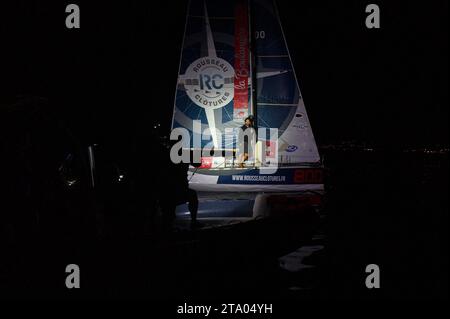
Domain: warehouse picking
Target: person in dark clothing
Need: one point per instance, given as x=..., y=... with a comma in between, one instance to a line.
x=150, y=164
x=248, y=124
x=183, y=193
x=178, y=187
x=174, y=191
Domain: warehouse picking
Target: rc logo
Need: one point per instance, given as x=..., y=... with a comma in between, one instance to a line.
x=209, y=82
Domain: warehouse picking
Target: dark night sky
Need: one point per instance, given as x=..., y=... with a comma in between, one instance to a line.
x=119, y=71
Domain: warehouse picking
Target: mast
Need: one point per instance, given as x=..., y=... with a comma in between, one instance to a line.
x=252, y=59
x=253, y=87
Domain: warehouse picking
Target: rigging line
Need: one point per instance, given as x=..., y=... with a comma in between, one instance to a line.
x=272, y=43
x=264, y=122
x=199, y=111
x=228, y=114
x=195, y=170
x=209, y=35
x=187, y=107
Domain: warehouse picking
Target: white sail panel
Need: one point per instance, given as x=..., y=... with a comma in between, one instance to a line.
x=235, y=63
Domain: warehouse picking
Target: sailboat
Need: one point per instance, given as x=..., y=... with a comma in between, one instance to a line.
x=234, y=64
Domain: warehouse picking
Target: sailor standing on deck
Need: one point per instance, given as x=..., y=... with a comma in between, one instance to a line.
x=243, y=156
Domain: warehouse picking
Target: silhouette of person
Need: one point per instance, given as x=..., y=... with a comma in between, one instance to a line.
x=175, y=191
x=150, y=164
x=184, y=194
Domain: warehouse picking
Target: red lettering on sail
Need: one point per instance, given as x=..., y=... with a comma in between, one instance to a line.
x=241, y=61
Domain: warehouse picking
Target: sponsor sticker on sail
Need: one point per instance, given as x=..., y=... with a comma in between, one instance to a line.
x=241, y=62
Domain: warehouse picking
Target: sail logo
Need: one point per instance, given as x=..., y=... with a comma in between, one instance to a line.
x=241, y=62
x=209, y=82
x=205, y=80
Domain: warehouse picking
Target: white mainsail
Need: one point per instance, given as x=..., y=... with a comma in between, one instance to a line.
x=235, y=62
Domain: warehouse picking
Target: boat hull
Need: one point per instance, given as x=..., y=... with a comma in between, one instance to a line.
x=257, y=180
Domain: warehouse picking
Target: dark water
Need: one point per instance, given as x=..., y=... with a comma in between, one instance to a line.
x=384, y=208
x=390, y=209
